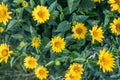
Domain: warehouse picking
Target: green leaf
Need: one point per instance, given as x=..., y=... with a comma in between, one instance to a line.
x=80, y=18
x=93, y=22
x=87, y=4
x=32, y=31
x=17, y=1
x=49, y=63
x=63, y=26
x=72, y=4
x=53, y=6
x=43, y=2
x=11, y=24
x=17, y=36
x=32, y=3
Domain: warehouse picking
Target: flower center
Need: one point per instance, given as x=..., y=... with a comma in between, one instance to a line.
x=41, y=72
x=4, y=52
x=118, y=2
x=71, y=76
x=57, y=44
x=118, y=27
x=36, y=41
x=79, y=30
x=95, y=33
x=2, y=13
x=41, y=14
x=76, y=69
x=31, y=62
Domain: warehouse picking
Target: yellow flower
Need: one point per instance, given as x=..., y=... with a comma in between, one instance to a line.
x=115, y=26
x=57, y=63
x=115, y=5
x=106, y=61
x=4, y=14
x=36, y=42
x=72, y=76
x=1, y=29
x=74, y=72
x=40, y=14
x=41, y=73
x=22, y=44
x=97, y=33
x=97, y=1
x=4, y=52
x=58, y=44
x=24, y=3
x=79, y=31
x=30, y=62
x=76, y=68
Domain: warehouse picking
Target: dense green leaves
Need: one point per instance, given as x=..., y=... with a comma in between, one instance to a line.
x=22, y=28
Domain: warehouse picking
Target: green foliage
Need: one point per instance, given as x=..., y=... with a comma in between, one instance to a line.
x=63, y=15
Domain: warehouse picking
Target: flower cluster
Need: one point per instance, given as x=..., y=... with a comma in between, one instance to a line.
x=50, y=41
x=74, y=72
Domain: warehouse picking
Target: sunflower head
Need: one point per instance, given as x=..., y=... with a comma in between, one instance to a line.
x=106, y=61
x=41, y=72
x=115, y=26
x=74, y=72
x=97, y=33
x=58, y=44
x=72, y=76
x=30, y=62
x=40, y=14
x=79, y=31
x=115, y=5
x=36, y=42
x=4, y=52
x=4, y=14
x=76, y=68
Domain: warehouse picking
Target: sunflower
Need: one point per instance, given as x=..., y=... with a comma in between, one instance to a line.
x=115, y=26
x=58, y=44
x=4, y=52
x=97, y=33
x=79, y=31
x=4, y=14
x=41, y=73
x=97, y=1
x=115, y=5
x=106, y=61
x=74, y=72
x=24, y=3
x=40, y=14
x=76, y=68
x=30, y=62
x=36, y=42
x=72, y=76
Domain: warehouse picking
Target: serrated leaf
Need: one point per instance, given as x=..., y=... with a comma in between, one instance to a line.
x=43, y=2
x=17, y=36
x=11, y=24
x=72, y=4
x=89, y=3
x=63, y=26
x=80, y=18
x=53, y=6
x=32, y=3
